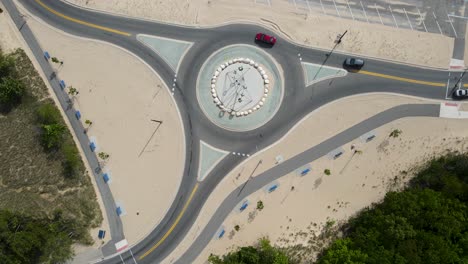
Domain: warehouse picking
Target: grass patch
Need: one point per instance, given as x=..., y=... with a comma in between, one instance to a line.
x=35, y=181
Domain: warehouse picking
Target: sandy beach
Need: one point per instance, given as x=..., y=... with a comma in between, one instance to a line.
x=121, y=95
x=364, y=181
x=292, y=217
x=311, y=29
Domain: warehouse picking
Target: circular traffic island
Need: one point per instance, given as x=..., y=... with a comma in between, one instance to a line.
x=240, y=88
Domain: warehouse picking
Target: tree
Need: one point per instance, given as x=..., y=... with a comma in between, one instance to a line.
x=27, y=240
x=52, y=135
x=327, y=171
x=262, y=253
x=340, y=252
x=11, y=93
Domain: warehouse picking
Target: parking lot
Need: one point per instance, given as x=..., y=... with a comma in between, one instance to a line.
x=442, y=17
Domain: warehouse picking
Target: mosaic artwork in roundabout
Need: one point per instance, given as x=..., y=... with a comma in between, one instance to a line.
x=240, y=88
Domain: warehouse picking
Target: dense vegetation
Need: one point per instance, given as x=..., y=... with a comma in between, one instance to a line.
x=425, y=223
x=262, y=253
x=47, y=201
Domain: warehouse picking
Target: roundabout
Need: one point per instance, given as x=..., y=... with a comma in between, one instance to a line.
x=240, y=88
x=235, y=127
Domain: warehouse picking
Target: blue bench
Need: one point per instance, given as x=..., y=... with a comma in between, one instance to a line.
x=101, y=234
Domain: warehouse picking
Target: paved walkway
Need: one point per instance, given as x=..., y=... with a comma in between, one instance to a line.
x=310, y=155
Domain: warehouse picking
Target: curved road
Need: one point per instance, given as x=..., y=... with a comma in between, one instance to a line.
x=298, y=101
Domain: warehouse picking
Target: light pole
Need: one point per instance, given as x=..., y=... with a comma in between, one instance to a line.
x=250, y=177
x=338, y=41
x=460, y=79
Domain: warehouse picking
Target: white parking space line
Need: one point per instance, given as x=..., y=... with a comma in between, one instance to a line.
x=336, y=8
x=411, y=26
x=451, y=23
x=365, y=14
x=437, y=22
x=378, y=13
x=350, y=10
x=391, y=11
x=307, y=1
x=462, y=17
x=422, y=20
x=323, y=9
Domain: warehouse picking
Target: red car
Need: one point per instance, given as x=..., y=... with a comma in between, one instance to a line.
x=265, y=38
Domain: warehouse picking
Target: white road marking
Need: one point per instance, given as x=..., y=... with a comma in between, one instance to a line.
x=323, y=9
x=391, y=11
x=350, y=10
x=295, y=5
x=450, y=20
x=365, y=14
x=448, y=83
x=336, y=8
x=437, y=22
x=462, y=17
x=422, y=20
x=378, y=13
x=411, y=26
x=131, y=253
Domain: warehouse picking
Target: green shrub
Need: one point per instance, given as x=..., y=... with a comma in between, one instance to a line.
x=7, y=65
x=260, y=205
x=262, y=253
x=327, y=172
x=395, y=133
x=48, y=114
x=237, y=227
x=52, y=135
x=72, y=159
x=11, y=93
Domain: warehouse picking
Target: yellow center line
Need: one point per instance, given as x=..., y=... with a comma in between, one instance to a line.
x=402, y=79
x=173, y=225
x=81, y=21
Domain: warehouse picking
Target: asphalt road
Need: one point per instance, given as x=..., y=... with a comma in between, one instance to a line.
x=297, y=102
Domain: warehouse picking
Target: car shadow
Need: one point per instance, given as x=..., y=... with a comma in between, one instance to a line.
x=263, y=44
x=351, y=69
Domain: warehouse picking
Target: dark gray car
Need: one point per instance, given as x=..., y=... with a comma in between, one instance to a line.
x=353, y=63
